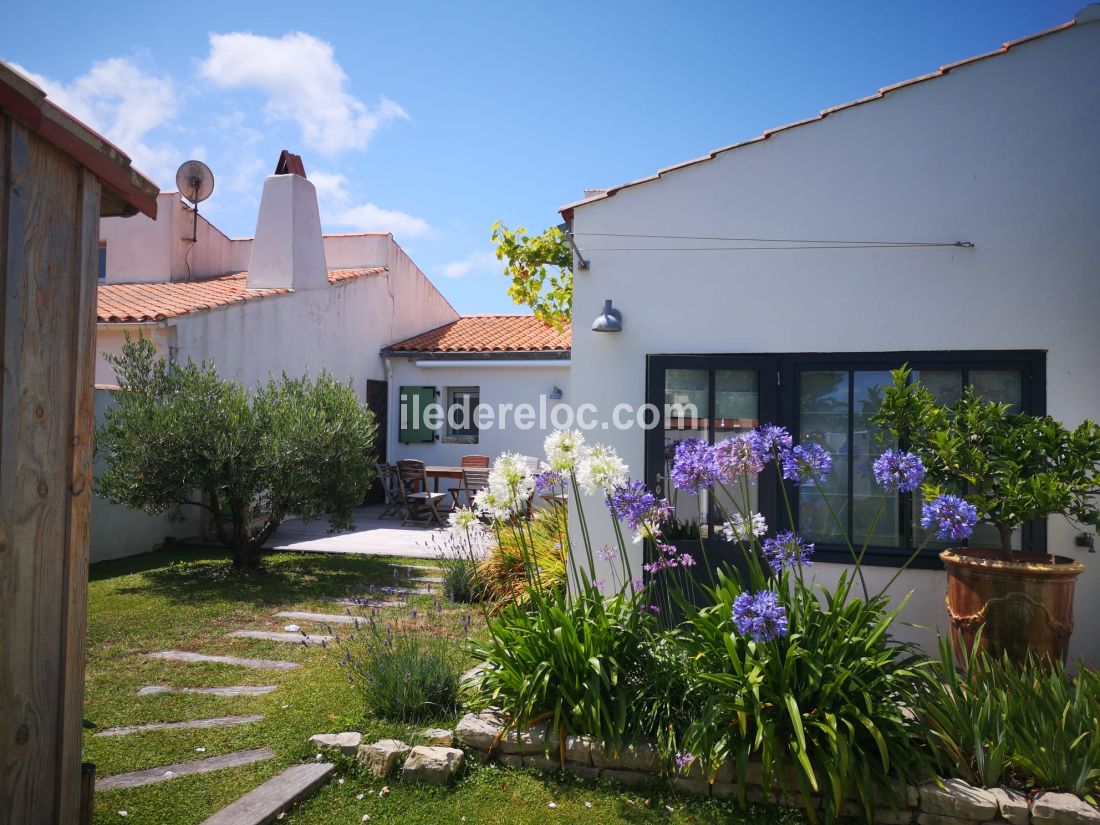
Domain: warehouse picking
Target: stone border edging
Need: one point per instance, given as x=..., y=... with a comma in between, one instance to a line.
x=953, y=803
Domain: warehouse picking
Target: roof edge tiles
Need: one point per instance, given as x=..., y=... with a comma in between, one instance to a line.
x=487, y=336
x=144, y=303
x=1089, y=14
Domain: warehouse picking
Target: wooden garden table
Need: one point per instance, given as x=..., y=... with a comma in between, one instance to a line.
x=440, y=471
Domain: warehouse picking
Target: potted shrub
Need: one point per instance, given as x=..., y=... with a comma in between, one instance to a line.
x=1013, y=468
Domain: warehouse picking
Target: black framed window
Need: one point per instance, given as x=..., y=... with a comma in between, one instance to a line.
x=828, y=398
x=461, y=423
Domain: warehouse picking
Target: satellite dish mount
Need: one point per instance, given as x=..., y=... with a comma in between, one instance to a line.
x=195, y=182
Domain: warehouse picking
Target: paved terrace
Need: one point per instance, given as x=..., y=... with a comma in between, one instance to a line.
x=371, y=537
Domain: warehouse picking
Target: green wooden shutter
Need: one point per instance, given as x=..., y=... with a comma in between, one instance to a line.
x=413, y=428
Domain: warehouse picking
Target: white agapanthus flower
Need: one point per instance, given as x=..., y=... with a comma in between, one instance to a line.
x=601, y=470
x=463, y=518
x=490, y=504
x=511, y=481
x=563, y=449
x=740, y=529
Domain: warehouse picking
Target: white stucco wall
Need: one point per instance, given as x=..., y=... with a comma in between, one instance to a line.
x=1003, y=153
x=529, y=384
x=141, y=250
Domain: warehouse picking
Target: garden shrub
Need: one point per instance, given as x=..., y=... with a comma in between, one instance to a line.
x=1027, y=724
x=503, y=572
x=406, y=671
x=820, y=705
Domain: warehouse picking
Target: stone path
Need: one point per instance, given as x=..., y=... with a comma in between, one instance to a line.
x=166, y=772
x=280, y=636
x=217, y=722
x=233, y=690
x=263, y=804
x=321, y=618
x=259, y=664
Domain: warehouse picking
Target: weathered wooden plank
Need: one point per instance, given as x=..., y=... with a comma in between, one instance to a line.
x=279, y=636
x=166, y=772
x=79, y=441
x=216, y=722
x=263, y=804
x=39, y=767
x=232, y=690
x=258, y=664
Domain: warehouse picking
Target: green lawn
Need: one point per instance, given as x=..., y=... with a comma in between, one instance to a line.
x=188, y=600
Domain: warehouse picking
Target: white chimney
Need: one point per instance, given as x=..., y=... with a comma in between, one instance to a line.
x=288, y=250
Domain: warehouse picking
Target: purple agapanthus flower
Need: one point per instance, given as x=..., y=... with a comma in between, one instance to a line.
x=787, y=550
x=808, y=462
x=693, y=467
x=760, y=615
x=737, y=457
x=683, y=759
x=634, y=504
x=548, y=481
x=897, y=470
x=952, y=517
x=772, y=439
x=687, y=560
x=606, y=553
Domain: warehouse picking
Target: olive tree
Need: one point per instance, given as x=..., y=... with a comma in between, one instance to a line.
x=180, y=436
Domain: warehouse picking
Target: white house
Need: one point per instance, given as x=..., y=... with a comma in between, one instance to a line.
x=949, y=221
x=498, y=381
x=288, y=300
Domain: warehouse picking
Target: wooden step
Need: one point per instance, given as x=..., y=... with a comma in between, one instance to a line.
x=166, y=772
x=263, y=804
x=280, y=636
x=217, y=722
x=258, y=664
x=232, y=690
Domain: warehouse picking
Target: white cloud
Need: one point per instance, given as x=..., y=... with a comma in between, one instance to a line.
x=302, y=82
x=473, y=261
x=336, y=205
x=119, y=99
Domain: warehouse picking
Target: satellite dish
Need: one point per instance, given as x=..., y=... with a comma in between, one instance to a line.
x=195, y=181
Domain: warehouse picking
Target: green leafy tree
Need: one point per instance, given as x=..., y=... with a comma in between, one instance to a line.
x=541, y=269
x=180, y=436
x=1012, y=467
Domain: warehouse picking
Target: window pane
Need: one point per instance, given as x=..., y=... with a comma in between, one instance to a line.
x=945, y=385
x=686, y=415
x=823, y=417
x=462, y=412
x=1003, y=386
x=867, y=445
x=736, y=409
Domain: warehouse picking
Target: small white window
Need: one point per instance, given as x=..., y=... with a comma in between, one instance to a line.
x=461, y=424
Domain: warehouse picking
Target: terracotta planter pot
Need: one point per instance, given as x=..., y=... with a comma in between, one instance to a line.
x=1025, y=604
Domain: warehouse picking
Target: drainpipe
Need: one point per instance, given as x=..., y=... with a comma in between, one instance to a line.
x=390, y=416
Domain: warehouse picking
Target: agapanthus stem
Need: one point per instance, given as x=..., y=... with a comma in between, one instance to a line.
x=844, y=532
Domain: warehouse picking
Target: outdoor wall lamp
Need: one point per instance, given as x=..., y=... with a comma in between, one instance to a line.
x=555, y=394
x=611, y=320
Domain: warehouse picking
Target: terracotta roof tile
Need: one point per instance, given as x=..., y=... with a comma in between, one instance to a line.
x=489, y=333
x=138, y=303
x=594, y=195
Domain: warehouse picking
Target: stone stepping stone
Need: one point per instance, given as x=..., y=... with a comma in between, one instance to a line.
x=234, y=690
x=321, y=618
x=427, y=579
x=258, y=664
x=166, y=772
x=263, y=804
x=360, y=603
x=217, y=722
x=280, y=636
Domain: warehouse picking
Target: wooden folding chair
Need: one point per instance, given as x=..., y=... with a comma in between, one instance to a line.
x=419, y=501
x=387, y=476
x=474, y=461
x=472, y=481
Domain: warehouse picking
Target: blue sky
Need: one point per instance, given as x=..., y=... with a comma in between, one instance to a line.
x=435, y=119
